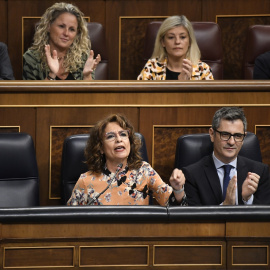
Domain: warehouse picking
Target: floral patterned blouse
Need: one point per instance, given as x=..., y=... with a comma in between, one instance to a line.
x=156, y=70
x=130, y=187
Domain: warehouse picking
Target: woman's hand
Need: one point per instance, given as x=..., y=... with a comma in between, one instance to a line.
x=177, y=181
x=52, y=61
x=90, y=65
x=186, y=70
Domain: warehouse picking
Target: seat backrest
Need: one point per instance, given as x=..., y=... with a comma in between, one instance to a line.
x=208, y=36
x=19, y=180
x=73, y=161
x=98, y=45
x=257, y=43
x=193, y=147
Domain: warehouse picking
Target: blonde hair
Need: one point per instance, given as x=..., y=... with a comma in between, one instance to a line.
x=81, y=44
x=193, y=53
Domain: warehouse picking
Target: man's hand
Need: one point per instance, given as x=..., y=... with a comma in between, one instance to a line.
x=230, y=194
x=250, y=185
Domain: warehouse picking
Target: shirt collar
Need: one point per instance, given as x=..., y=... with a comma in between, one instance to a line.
x=219, y=163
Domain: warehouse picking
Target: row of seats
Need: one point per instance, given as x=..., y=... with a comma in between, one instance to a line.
x=19, y=179
x=208, y=36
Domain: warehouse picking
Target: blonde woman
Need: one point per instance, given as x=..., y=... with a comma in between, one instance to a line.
x=61, y=48
x=176, y=54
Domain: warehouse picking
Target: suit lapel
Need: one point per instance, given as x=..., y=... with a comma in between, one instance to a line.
x=242, y=171
x=213, y=179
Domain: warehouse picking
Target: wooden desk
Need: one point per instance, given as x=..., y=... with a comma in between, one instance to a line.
x=130, y=237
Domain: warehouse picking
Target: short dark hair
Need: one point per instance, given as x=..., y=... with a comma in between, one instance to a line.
x=95, y=159
x=230, y=114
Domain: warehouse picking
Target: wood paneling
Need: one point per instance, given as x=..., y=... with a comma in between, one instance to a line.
x=57, y=138
x=263, y=134
x=234, y=47
x=164, y=146
x=179, y=245
x=250, y=255
x=253, y=229
x=18, y=119
x=201, y=255
x=3, y=24
x=115, y=256
x=38, y=257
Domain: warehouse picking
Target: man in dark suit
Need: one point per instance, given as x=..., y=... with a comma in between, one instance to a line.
x=246, y=181
x=262, y=67
x=6, y=72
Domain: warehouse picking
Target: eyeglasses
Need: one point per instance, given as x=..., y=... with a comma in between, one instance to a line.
x=111, y=136
x=225, y=136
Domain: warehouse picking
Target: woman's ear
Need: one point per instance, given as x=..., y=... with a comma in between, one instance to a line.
x=162, y=43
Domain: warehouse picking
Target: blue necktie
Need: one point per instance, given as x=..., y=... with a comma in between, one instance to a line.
x=226, y=180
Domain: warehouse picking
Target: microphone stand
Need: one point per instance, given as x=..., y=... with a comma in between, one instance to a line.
x=119, y=166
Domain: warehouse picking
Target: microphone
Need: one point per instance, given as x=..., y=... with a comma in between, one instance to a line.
x=119, y=167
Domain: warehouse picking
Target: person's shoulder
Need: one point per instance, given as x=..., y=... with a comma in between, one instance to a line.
x=87, y=175
x=32, y=54
x=202, y=64
x=251, y=162
x=262, y=59
x=145, y=164
x=154, y=61
x=3, y=46
x=263, y=56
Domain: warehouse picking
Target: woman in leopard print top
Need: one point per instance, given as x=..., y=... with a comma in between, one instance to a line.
x=176, y=54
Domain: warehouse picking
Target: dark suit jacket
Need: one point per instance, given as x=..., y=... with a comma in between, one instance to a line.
x=6, y=72
x=262, y=67
x=202, y=185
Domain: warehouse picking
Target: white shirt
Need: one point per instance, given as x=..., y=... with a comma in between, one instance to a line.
x=233, y=172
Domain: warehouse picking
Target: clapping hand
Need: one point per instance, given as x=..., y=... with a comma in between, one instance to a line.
x=52, y=59
x=230, y=193
x=90, y=65
x=186, y=71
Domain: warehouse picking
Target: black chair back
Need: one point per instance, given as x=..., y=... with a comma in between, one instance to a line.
x=19, y=180
x=73, y=161
x=191, y=148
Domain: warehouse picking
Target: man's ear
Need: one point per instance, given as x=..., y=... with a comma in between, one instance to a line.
x=212, y=134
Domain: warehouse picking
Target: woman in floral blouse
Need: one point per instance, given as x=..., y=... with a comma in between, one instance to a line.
x=117, y=175
x=176, y=54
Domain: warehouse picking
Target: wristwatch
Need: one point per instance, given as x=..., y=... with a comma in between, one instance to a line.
x=177, y=191
x=50, y=78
